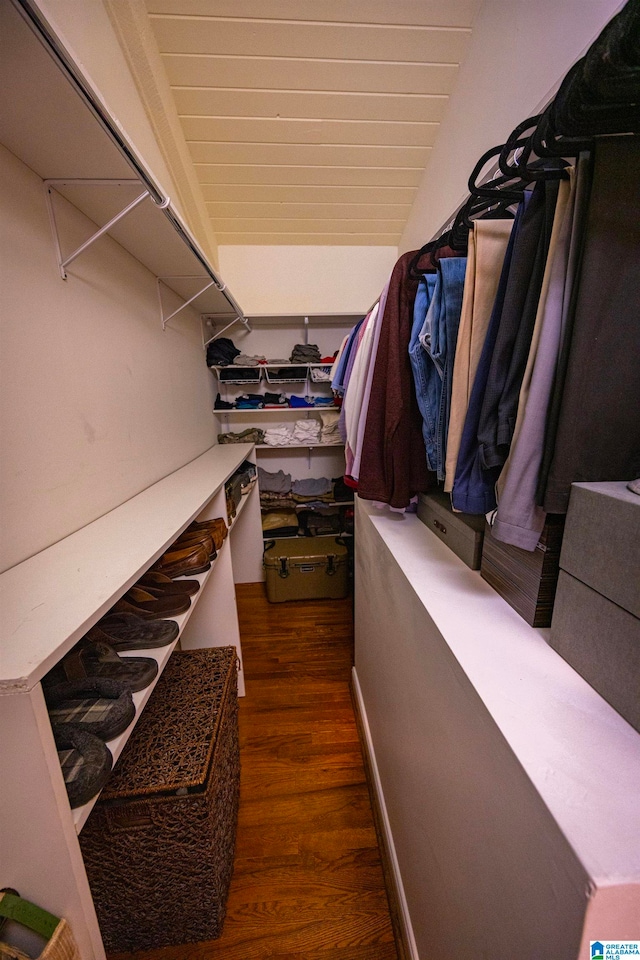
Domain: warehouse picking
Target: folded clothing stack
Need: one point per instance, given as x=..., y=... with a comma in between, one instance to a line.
x=279, y=436
x=280, y=523
x=329, y=432
x=250, y=401
x=306, y=431
x=275, y=400
x=279, y=482
x=321, y=374
x=275, y=501
x=305, y=353
x=234, y=374
x=252, y=435
x=221, y=351
x=312, y=487
x=245, y=360
x=301, y=401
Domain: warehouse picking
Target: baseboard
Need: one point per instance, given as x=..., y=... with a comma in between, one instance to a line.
x=400, y=919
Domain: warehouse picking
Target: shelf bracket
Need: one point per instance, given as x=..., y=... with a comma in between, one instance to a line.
x=208, y=319
x=165, y=320
x=51, y=185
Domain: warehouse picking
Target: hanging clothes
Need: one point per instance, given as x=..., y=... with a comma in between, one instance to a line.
x=438, y=339
x=393, y=465
x=417, y=354
x=519, y=520
x=517, y=320
x=357, y=381
x=598, y=435
x=487, y=247
x=470, y=493
x=366, y=394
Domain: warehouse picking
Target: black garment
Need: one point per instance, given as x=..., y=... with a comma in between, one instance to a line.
x=599, y=426
x=509, y=359
x=601, y=92
x=221, y=352
x=221, y=404
x=580, y=210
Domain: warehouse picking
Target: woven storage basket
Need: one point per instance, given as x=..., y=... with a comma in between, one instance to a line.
x=60, y=942
x=158, y=847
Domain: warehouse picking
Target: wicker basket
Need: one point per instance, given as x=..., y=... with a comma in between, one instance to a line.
x=159, y=844
x=60, y=944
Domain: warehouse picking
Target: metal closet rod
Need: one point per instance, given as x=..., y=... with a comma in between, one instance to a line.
x=43, y=32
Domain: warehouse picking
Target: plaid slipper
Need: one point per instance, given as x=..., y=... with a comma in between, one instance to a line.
x=101, y=707
x=85, y=761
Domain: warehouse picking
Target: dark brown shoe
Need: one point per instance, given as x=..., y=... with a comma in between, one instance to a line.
x=184, y=562
x=151, y=607
x=194, y=539
x=217, y=528
x=153, y=581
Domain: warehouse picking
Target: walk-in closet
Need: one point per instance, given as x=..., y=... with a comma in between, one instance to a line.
x=320, y=483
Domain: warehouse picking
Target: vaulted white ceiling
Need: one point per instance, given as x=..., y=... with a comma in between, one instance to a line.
x=310, y=121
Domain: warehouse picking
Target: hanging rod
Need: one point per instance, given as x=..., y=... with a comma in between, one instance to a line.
x=41, y=28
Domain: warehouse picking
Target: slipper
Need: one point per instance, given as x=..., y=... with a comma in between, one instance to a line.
x=97, y=659
x=145, y=605
x=153, y=578
x=101, y=707
x=126, y=631
x=85, y=761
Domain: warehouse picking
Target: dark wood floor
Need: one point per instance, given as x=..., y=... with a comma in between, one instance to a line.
x=307, y=881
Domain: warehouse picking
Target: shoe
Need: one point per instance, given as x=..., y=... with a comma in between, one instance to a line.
x=126, y=631
x=98, y=659
x=217, y=528
x=195, y=538
x=152, y=580
x=85, y=761
x=95, y=705
x=145, y=604
x=181, y=563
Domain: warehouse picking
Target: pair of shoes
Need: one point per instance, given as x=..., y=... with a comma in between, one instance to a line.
x=217, y=528
x=126, y=631
x=97, y=658
x=97, y=705
x=194, y=538
x=152, y=605
x=182, y=562
x=153, y=581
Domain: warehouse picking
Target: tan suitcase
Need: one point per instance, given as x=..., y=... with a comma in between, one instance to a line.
x=306, y=568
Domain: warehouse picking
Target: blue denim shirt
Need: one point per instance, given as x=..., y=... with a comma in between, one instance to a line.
x=418, y=356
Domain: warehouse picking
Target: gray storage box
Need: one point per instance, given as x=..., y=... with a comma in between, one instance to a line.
x=462, y=532
x=596, y=621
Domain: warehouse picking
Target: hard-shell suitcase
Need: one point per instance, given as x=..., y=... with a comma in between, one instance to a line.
x=306, y=568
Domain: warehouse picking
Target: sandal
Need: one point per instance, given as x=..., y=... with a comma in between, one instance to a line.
x=154, y=579
x=126, y=631
x=101, y=707
x=85, y=761
x=98, y=659
x=150, y=607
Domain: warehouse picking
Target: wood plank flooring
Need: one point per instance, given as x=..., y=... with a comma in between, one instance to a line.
x=307, y=881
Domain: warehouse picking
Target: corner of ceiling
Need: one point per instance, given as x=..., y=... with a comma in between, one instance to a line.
x=132, y=28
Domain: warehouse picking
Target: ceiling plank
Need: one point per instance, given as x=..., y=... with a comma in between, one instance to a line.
x=302, y=225
x=309, y=153
x=272, y=38
x=310, y=132
x=453, y=13
x=208, y=102
x=253, y=173
x=309, y=211
x=291, y=73
x=318, y=239
x=270, y=193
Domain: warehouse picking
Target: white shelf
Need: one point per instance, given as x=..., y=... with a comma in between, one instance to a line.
x=580, y=755
x=278, y=410
x=50, y=600
x=300, y=446
x=269, y=366
x=49, y=98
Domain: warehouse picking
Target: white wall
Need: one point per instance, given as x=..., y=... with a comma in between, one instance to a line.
x=306, y=279
x=519, y=53
x=97, y=402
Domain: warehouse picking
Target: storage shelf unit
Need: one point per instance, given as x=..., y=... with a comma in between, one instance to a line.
x=48, y=96
x=49, y=602
x=527, y=778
